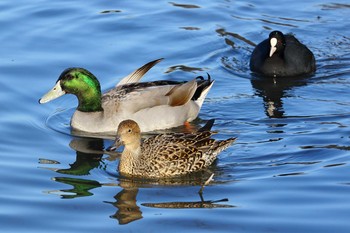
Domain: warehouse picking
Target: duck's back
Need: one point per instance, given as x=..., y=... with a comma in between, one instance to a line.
x=155, y=105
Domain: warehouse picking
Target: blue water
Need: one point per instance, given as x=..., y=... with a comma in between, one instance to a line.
x=287, y=172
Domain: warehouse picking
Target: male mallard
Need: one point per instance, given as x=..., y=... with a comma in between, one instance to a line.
x=154, y=105
x=165, y=155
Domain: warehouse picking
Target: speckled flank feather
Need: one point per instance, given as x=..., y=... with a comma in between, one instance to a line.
x=167, y=155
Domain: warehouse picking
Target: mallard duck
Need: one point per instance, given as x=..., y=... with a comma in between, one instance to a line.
x=154, y=105
x=282, y=56
x=165, y=155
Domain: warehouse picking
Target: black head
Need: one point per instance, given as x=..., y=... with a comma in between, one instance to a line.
x=277, y=42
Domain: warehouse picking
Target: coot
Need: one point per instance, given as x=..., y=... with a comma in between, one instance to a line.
x=282, y=56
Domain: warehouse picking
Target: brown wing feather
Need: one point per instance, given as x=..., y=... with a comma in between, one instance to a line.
x=173, y=154
x=180, y=153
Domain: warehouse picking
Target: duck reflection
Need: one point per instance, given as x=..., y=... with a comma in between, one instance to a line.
x=128, y=210
x=81, y=187
x=190, y=204
x=273, y=90
x=89, y=155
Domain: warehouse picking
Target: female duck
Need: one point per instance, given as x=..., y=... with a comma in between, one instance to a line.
x=165, y=155
x=155, y=105
x=282, y=56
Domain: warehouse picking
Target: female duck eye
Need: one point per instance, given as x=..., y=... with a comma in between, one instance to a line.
x=129, y=130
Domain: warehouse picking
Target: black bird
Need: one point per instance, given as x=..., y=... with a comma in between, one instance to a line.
x=282, y=56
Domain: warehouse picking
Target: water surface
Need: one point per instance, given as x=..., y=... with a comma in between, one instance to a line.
x=288, y=171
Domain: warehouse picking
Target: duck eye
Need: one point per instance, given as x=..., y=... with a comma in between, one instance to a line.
x=69, y=76
x=129, y=130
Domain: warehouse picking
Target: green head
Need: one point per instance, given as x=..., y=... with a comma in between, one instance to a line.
x=79, y=82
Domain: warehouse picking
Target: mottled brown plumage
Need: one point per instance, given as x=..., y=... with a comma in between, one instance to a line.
x=165, y=155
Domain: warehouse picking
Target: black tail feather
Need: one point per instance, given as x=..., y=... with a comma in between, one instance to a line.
x=201, y=85
x=207, y=126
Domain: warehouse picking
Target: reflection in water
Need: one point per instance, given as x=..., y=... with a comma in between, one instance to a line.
x=127, y=209
x=273, y=91
x=88, y=146
x=48, y=161
x=85, y=160
x=190, y=204
x=327, y=147
x=81, y=187
x=82, y=165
